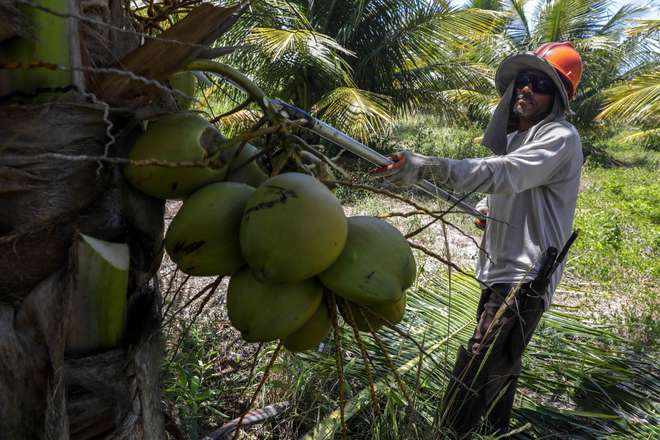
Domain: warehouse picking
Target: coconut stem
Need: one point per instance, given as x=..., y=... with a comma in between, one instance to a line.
x=238, y=78
x=98, y=311
x=256, y=392
x=339, y=361
x=365, y=357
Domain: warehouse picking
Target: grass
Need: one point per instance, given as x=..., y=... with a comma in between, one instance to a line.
x=425, y=134
x=619, y=249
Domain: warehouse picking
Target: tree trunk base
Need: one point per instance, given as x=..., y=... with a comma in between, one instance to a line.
x=46, y=393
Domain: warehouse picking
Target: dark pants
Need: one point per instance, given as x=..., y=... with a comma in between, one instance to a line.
x=485, y=375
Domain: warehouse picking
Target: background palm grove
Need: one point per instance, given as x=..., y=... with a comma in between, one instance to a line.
x=414, y=74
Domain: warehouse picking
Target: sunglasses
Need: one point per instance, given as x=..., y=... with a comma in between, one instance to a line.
x=540, y=84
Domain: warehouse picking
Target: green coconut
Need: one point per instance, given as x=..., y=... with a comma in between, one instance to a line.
x=377, y=315
x=310, y=335
x=177, y=138
x=293, y=228
x=237, y=168
x=264, y=311
x=185, y=83
x=203, y=237
x=376, y=265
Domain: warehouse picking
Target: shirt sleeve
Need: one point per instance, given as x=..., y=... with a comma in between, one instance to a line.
x=533, y=164
x=483, y=204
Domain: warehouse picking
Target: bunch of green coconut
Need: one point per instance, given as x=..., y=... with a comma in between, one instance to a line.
x=284, y=240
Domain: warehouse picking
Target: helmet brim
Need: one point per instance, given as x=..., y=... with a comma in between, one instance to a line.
x=514, y=64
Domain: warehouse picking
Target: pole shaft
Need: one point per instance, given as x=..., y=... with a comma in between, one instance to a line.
x=359, y=149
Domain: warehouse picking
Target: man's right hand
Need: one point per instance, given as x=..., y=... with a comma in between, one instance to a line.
x=405, y=169
x=408, y=168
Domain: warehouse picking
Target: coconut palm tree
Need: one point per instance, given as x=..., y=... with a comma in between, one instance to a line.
x=80, y=309
x=356, y=63
x=634, y=101
x=612, y=47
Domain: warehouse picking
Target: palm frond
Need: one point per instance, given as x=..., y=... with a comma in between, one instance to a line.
x=562, y=20
x=644, y=27
x=395, y=49
x=650, y=138
x=635, y=102
x=357, y=112
x=597, y=389
x=238, y=121
x=280, y=14
x=478, y=104
x=621, y=18
x=494, y=5
x=518, y=26
x=491, y=49
x=301, y=47
x=644, y=36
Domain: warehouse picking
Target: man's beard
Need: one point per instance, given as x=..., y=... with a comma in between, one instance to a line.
x=518, y=111
x=517, y=108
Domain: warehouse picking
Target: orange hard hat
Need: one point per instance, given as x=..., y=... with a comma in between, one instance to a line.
x=566, y=60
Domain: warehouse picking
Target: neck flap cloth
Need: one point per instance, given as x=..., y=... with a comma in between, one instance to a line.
x=495, y=136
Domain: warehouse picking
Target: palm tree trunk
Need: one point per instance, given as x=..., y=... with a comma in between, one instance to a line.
x=80, y=316
x=46, y=390
x=47, y=200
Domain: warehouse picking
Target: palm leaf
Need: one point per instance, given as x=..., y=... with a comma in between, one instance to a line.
x=494, y=5
x=562, y=20
x=478, y=104
x=644, y=27
x=302, y=47
x=649, y=137
x=567, y=357
x=635, y=102
x=518, y=27
x=330, y=425
x=239, y=121
x=357, y=112
x=621, y=18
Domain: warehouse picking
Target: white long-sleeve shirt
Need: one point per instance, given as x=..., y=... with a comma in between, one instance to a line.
x=532, y=191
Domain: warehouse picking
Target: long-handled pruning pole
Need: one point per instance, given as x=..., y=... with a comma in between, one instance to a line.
x=293, y=113
x=359, y=149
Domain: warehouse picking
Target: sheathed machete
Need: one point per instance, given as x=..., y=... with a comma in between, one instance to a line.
x=549, y=262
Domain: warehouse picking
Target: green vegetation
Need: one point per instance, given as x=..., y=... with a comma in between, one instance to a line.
x=636, y=102
x=192, y=384
x=619, y=216
x=597, y=386
x=415, y=75
x=426, y=134
x=357, y=63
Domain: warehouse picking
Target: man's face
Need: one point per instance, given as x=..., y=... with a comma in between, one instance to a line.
x=534, y=95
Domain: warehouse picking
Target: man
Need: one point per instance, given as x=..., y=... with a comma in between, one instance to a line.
x=532, y=186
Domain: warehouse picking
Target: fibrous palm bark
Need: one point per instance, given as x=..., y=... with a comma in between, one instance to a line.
x=52, y=191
